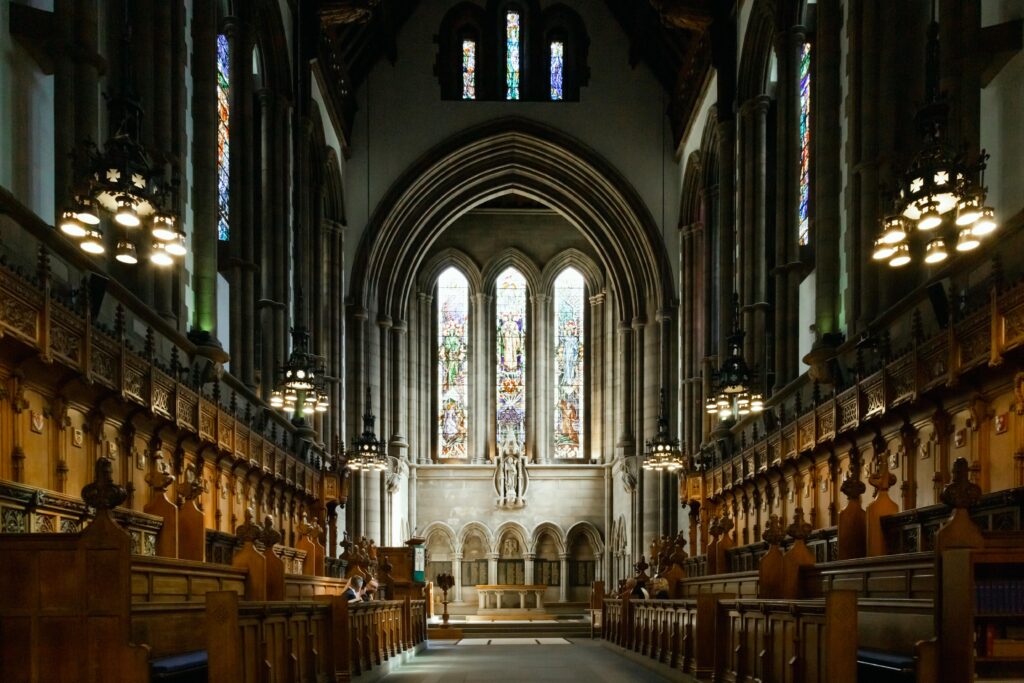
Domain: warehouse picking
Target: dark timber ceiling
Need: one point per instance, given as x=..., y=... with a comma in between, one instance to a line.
x=673, y=37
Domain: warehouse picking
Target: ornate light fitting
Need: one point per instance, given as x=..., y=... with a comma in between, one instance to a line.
x=367, y=453
x=663, y=452
x=300, y=389
x=122, y=179
x=937, y=185
x=731, y=385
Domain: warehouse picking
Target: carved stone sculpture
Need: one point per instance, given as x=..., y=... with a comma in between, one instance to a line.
x=510, y=476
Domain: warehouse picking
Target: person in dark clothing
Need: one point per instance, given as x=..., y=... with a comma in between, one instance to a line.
x=354, y=592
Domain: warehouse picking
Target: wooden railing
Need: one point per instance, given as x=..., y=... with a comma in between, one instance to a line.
x=738, y=640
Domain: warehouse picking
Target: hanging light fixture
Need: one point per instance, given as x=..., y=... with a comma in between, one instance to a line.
x=368, y=452
x=121, y=178
x=301, y=386
x=732, y=394
x=937, y=185
x=663, y=452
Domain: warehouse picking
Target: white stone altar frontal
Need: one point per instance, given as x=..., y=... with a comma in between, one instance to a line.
x=510, y=598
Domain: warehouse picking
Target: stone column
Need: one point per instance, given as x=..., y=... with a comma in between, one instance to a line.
x=384, y=327
x=204, y=166
x=597, y=376
x=413, y=517
x=457, y=575
x=64, y=136
x=87, y=94
x=399, y=383
x=425, y=377
x=528, y=559
x=541, y=400
x=726, y=229
x=795, y=271
x=639, y=394
x=483, y=399
x=864, y=226
x=758, y=305
x=492, y=568
x=626, y=444
x=563, y=582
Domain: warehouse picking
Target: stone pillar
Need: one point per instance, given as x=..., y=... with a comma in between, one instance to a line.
x=64, y=136
x=563, y=582
x=528, y=559
x=204, y=166
x=539, y=409
x=597, y=377
x=413, y=517
x=384, y=327
x=163, y=77
x=795, y=271
x=425, y=342
x=726, y=229
x=758, y=306
x=492, y=568
x=399, y=389
x=639, y=394
x=864, y=225
x=626, y=444
x=457, y=575
x=483, y=405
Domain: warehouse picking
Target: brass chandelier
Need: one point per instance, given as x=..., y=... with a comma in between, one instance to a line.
x=938, y=185
x=301, y=388
x=368, y=452
x=121, y=179
x=662, y=453
x=732, y=393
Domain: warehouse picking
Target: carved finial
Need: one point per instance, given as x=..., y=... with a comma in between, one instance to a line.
x=103, y=493
x=715, y=527
x=726, y=524
x=852, y=486
x=816, y=393
x=119, y=321
x=961, y=492
x=798, y=403
x=249, y=531
x=773, y=533
x=149, y=350
x=641, y=566
x=799, y=529
x=44, y=264
x=881, y=479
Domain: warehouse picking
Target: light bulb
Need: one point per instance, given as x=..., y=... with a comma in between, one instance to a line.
x=968, y=209
x=930, y=219
x=163, y=227
x=986, y=223
x=93, y=242
x=967, y=240
x=901, y=256
x=85, y=211
x=126, y=214
x=883, y=249
x=893, y=230
x=936, y=252
x=176, y=247
x=276, y=399
x=125, y=253
x=71, y=225
x=159, y=257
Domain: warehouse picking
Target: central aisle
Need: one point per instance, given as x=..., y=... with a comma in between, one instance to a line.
x=519, y=660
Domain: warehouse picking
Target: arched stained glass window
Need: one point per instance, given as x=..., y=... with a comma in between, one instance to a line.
x=452, y=363
x=223, y=157
x=469, y=69
x=512, y=55
x=510, y=335
x=557, y=61
x=805, y=144
x=568, y=300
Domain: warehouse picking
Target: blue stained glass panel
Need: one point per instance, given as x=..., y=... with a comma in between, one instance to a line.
x=223, y=134
x=510, y=335
x=557, y=61
x=512, y=55
x=805, y=144
x=569, y=403
x=469, y=69
x=452, y=363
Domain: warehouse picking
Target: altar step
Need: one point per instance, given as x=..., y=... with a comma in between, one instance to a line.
x=561, y=628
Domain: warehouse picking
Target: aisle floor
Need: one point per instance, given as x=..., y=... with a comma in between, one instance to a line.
x=526, y=661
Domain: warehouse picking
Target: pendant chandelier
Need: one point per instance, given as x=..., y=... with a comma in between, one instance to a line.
x=301, y=386
x=367, y=453
x=663, y=453
x=731, y=392
x=122, y=180
x=939, y=204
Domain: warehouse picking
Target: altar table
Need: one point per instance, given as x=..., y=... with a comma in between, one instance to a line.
x=484, y=593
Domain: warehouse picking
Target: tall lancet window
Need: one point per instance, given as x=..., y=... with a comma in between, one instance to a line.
x=469, y=69
x=510, y=318
x=512, y=55
x=557, y=61
x=805, y=144
x=569, y=295
x=452, y=363
x=223, y=130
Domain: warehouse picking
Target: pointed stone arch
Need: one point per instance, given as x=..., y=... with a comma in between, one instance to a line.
x=516, y=531
x=590, y=532
x=445, y=259
x=512, y=258
x=476, y=529
x=572, y=258
x=555, y=531
x=442, y=530
x=511, y=155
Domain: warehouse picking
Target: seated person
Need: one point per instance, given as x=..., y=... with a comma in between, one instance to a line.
x=354, y=590
x=371, y=590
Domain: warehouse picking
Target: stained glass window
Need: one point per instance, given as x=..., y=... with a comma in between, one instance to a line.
x=469, y=69
x=805, y=143
x=510, y=333
x=452, y=363
x=512, y=55
x=557, y=59
x=568, y=364
x=223, y=158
